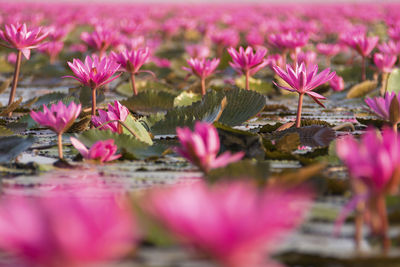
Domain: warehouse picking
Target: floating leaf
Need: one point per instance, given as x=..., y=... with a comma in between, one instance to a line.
x=186, y=99
x=393, y=83
x=299, y=176
x=38, y=102
x=129, y=146
x=137, y=129
x=288, y=142
x=244, y=169
x=208, y=110
x=241, y=106
x=378, y=123
x=361, y=89
x=237, y=140
x=150, y=101
x=14, y=105
x=80, y=125
x=12, y=146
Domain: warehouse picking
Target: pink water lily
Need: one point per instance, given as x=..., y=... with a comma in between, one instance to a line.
x=19, y=37
x=94, y=73
x=202, y=68
x=202, y=146
x=100, y=39
x=303, y=80
x=131, y=61
x=52, y=49
x=106, y=119
x=67, y=230
x=385, y=62
x=381, y=106
x=373, y=162
x=58, y=118
x=102, y=151
x=235, y=224
x=246, y=62
x=337, y=83
x=197, y=50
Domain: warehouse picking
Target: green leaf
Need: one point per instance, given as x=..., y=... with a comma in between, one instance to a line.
x=129, y=146
x=245, y=169
x=257, y=85
x=393, y=83
x=12, y=146
x=361, y=89
x=137, y=129
x=150, y=101
x=186, y=99
x=38, y=102
x=241, y=105
x=288, y=142
x=208, y=110
x=4, y=131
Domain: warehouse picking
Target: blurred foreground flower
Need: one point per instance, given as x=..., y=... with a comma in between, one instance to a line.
x=66, y=230
x=202, y=68
x=202, y=146
x=94, y=73
x=385, y=63
x=17, y=36
x=303, y=80
x=235, y=224
x=373, y=164
x=107, y=119
x=246, y=62
x=101, y=150
x=132, y=61
x=58, y=118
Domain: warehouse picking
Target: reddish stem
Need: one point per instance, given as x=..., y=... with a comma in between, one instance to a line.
x=93, y=101
x=135, y=92
x=60, y=149
x=15, y=79
x=384, y=221
x=299, y=106
x=203, y=86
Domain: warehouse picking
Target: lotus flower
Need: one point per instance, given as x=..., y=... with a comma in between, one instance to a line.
x=233, y=223
x=58, y=118
x=197, y=50
x=292, y=41
x=225, y=38
x=102, y=151
x=202, y=68
x=66, y=230
x=309, y=58
x=337, y=83
x=107, y=119
x=374, y=162
x=18, y=36
x=363, y=45
x=303, y=80
x=202, y=146
x=132, y=61
x=391, y=47
x=246, y=62
x=381, y=106
x=94, y=73
x=100, y=39
x=52, y=49
x=385, y=62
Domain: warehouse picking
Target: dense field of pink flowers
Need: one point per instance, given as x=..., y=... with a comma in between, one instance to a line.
x=219, y=93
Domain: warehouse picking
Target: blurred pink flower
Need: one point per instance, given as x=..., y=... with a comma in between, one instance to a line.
x=373, y=160
x=12, y=58
x=290, y=40
x=303, y=80
x=66, y=230
x=234, y=223
x=328, y=50
x=59, y=117
x=202, y=68
x=385, y=62
x=116, y=112
x=131, y=61
x=361, y=43
x=337, y=83
x=202, y=146
x=381, y=105
x=52, y=49
x=19, y=37
x=391, y=47
x=100, y=39
x=102, y=151
x=197, y=50
x=246, y=62
x=275, y=60
x=308, y=58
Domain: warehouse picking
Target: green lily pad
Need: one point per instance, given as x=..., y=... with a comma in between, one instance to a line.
x=137, y=129
x=186, y=99
x=125, y=89
x=150, y=101
x=12, y=146
x=257, y=85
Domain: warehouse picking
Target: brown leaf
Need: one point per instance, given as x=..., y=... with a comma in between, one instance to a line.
x=394, y=111
x=362, y=89
x=288, y=143
x=5, y=85
x=11, y=108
